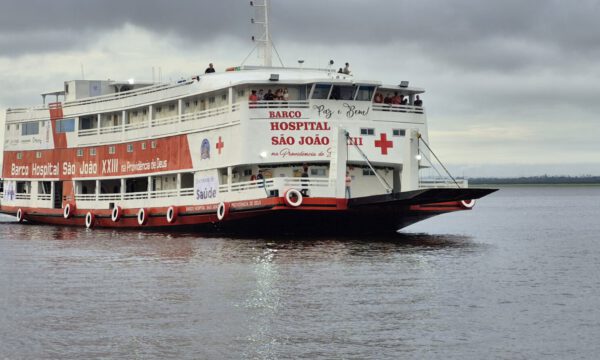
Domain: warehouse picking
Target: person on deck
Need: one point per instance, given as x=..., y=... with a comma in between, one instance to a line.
x=253, y=98
x=418, y=101
x=209, y=69
x=348, y=184
x=347, y=69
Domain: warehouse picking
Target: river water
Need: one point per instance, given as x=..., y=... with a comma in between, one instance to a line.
x=516, y=278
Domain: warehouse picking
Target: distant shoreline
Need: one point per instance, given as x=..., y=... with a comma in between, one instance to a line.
x=539, y=180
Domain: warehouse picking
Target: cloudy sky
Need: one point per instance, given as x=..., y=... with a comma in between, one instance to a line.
x=513, y=87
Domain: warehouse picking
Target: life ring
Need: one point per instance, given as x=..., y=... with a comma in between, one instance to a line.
x=222, y=210
x=89, y=220
x=68, y=210
x=468, y=204
x=293, y=193
x=142, y=217
x=171, y=214
x=20, y=215
x=116, y=213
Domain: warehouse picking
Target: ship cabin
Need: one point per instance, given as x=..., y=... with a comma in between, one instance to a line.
x=254, y=131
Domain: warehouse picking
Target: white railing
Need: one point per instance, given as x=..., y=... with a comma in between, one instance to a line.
x=398, y=108
x=23, y=196
x=136, y=195
x=164, y=193
x=85, y=197
x=165, y=121
x=442, y=183
x=157, y=194
x=275, y=104
x=135, y=126
x=108, y=197
x=205, y=113
x=111, y=129
x=44, y=196
x=88, y=132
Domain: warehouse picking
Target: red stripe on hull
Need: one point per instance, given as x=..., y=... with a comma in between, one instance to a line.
x=271, y=214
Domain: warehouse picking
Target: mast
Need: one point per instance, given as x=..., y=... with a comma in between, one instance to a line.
x=265, y=46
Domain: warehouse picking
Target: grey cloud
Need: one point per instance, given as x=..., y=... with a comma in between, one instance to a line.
x=475, y=33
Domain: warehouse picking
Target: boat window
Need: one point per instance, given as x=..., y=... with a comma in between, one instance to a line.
x=367, y=131
x=340, y=92
x=30, y=128
x=365, y=93
x=187, y=180
x=44, y=187
x=65, y=125
x=112, y=186
x=23, y=187
x=321, y=91
x=368, y=172
x=79, y=152
x=87, y=122
x=399, y=132
x=38, y=154
x=93, y=152
x=139, y=184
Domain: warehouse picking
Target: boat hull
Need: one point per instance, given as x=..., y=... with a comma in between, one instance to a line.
x=366, y=215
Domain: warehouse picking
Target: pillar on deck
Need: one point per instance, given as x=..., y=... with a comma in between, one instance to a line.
x=410, y=165
x=337, y=164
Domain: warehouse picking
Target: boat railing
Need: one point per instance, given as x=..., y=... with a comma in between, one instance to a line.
x=399, y=108
x=111, y=129
x=277, y=104
x=44, y=197
x=136, y=125
x=442, y=183
x=88, y=132
x=140, y=195
x=164, y=193
x=23, y=196
x=320, y=185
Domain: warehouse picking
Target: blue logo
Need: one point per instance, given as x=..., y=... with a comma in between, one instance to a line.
x=205, y=149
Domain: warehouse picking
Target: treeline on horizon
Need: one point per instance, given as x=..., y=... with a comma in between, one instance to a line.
x=544, y=179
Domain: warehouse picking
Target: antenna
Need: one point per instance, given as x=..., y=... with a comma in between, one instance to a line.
x=264, y=45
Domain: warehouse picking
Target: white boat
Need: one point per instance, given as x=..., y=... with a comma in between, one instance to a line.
x=328, y=153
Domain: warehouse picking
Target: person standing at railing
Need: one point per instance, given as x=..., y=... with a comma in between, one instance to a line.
x=260, y=95
x=378, y=98
x=253, y=98
x=304, y=180
x=348, y=184
x=347, y=69
x=418, y=101
x=261, y=179
x=397, y=99
x=210, y=69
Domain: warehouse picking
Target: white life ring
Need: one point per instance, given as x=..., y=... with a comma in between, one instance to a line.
x=293, y=193
x=468, y=204
x=116, y=213
x=20, y=215
x=142, y=217
x=171, y=214
x=222, y=210
x=68, y=211
x=89, y=220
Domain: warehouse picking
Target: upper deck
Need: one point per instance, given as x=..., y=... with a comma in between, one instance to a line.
x=314, y=103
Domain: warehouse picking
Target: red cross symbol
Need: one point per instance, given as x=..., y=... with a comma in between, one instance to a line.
x=383, y=143
x=220, y=145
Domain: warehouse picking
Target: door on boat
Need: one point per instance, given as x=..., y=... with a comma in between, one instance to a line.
x=58, y=193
